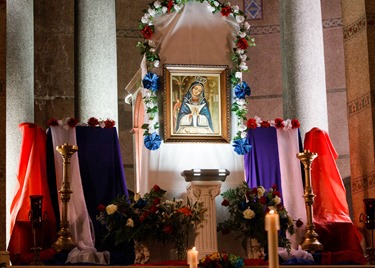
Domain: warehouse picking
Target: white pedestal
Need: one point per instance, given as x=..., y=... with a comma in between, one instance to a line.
x=204, y=186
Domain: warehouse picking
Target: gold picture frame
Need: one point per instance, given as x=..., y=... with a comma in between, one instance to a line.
x=196, y=103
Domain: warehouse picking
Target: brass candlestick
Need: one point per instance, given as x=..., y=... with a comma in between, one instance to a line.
x=64, y=242
x=310, y=242
x=36, y=218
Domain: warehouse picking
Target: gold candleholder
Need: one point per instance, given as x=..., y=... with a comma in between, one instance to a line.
x=310, y=242
x=64, y=241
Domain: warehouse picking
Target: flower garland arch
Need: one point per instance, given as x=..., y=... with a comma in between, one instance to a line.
x=239, y=57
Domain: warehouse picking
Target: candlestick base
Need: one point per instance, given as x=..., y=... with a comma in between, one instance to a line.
x=311, y=243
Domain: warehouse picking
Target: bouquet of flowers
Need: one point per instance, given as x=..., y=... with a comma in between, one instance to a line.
x=247, y=209
x=130, y=217
x=175, y=221
x=221, y=260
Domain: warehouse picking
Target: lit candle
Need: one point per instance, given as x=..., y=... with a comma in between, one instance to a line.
x=272, y=222
x=192, y=258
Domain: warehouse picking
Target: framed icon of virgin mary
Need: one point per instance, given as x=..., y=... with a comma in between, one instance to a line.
x=196, y=103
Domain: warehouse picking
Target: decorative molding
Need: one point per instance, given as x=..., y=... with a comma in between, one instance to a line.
x=331, y=23
x=253, y=9
x=364, y=183
x=359, y=104
x=353, y=29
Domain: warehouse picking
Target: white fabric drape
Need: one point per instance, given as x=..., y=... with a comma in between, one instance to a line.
x=291, y=180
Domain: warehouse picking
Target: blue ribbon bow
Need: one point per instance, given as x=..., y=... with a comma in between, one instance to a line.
x=241, y=90
x=152, y=142
x=241, y=146
x=151, y=81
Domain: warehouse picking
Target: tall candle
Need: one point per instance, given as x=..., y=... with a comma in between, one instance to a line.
x=272, y=224
x=192, y=258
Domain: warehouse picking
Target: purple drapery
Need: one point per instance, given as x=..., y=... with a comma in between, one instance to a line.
x=262, y=167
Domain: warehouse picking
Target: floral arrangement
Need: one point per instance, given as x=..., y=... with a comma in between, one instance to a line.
x=150, y=217
x=221, y=260
x=176, y=221
x=239, y=57
x=247, y=209
x=70, y=122
x=129, y=217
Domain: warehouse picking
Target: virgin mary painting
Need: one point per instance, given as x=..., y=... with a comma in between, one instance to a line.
x=194, y=116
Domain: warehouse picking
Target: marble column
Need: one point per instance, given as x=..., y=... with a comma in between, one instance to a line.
x=19, y=87
x=95, y=60
x=303, y=71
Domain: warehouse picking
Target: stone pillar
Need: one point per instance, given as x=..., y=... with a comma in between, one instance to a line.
x=359, y=49
x=19, y=87
x=95, y=60
x=303, y=71
x=206, y=191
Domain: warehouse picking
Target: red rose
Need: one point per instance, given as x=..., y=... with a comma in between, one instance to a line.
x=156, y=201
x=274, y=187
x=156, y=188
x=225, y=257
x=225, y=203
x=153, y=209
x=295, y=123
x=254, y=190
x=263, y=200
x=168, y=229
x=265, y=124
x=242, y=43
x=279, y=123
x=92, y=122
x=109, y=123
x=100, y=208
x=147, y=32
x=225, y=11
x=251, y=123
x=169, y=5
x=72, y=122
x=279, y=206
x=276, y=193
x=52, y=122
x=299, y=223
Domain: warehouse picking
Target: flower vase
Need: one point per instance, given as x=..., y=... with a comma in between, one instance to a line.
x=253, y=249
x=179, y=252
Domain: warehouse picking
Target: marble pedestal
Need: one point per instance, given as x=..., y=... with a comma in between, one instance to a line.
x=204, y=185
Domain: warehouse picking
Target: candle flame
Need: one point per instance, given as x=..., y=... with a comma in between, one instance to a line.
x=193, y=248
x=272, y=211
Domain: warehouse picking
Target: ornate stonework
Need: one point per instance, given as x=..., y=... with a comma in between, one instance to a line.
x=359, y=104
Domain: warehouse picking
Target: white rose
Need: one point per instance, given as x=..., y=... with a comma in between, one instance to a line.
x=260, y=191
x=110, y=209
x=156, y=63
x=177, y=8
x=241, y=34
x=243, y=57
x=137, y=196
x=241, y=102
x=240, y=18
x=164, y=10
x=151, y=43
x=216, y=3
x=248, y=214
x=246, y=25
x=243, y=134
x=235, y=9
x=239, y=75
x=157, y=4
x=243, y=66
x=240, y=51
x=241, y=127
x=211, y=9
x=152, y=12
x=150, y=105
x=152, y=50
x=146, y=18
x=276, y=200
x=129, y=223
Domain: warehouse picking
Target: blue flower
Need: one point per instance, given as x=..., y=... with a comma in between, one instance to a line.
x=241, y=146
x=152, y=142
x=241, y=90
x=151, y=81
